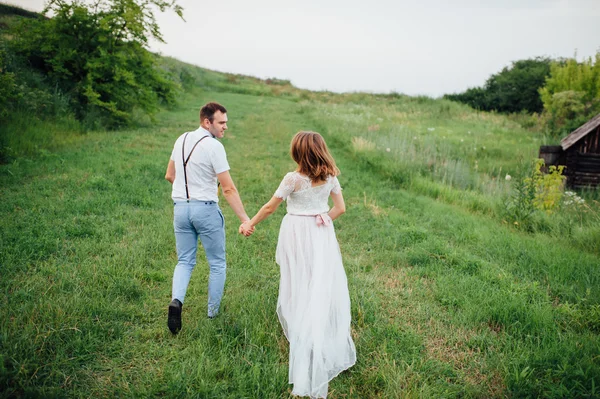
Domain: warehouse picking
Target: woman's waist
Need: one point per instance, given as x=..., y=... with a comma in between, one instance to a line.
x=306, y=211
x=320, y=218
x=307, y=214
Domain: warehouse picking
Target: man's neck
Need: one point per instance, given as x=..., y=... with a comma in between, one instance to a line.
x=207, y=131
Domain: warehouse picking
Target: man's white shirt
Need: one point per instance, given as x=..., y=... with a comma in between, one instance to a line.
x=207, y=161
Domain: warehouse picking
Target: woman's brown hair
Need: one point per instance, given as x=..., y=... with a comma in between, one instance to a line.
x=312, y=156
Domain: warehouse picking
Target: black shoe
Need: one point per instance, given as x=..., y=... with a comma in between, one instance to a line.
x=174, y=321
x=212, y=314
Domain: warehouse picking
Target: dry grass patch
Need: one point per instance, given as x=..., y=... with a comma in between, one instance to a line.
x=449, y=344
x=398, y=279
x=361, y=144
x=443, y=341
x=371, y=205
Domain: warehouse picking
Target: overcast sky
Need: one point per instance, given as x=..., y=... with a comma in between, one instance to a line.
x=429, y=47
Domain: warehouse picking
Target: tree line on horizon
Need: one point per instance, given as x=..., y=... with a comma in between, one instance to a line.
x=561, y=94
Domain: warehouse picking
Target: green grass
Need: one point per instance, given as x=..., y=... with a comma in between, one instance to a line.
x=447, y=300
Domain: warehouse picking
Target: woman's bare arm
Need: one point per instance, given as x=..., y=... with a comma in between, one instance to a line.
x=339, y=207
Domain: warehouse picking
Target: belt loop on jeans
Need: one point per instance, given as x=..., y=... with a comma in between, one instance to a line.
x=194, y=201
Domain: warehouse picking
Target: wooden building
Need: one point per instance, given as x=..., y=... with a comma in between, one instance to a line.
x=580, y=153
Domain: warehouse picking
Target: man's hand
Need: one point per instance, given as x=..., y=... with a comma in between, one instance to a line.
x=246, y=229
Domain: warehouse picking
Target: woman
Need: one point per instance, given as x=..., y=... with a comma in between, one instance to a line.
x=314, y=303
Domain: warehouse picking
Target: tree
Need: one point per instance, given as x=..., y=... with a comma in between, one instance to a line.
x=514, y=89
x=571, y=94
x=98, y=55
x=475, y=97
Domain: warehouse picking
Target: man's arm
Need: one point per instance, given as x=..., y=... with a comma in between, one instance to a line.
x=170, y=175
x=232, y=196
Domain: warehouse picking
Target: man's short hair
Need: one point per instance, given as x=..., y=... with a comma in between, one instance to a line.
x=208, y=111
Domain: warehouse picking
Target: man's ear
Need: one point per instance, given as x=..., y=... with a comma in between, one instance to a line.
x=205, y=122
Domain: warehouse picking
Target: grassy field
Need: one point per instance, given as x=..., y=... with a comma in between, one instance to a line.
x=448, y=298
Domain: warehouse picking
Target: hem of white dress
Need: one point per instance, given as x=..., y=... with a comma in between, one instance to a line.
x=346, y=367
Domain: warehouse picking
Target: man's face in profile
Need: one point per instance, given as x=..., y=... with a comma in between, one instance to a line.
x=219, y=124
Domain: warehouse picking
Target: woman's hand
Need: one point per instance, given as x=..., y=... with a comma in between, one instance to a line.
x=246, y=229
x=323, y=219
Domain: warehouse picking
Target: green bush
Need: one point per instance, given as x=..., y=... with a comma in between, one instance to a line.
x=535, y=192
x=8, y=86
x=98, y=57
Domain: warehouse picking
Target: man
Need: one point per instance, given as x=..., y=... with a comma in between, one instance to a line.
x=198, y=160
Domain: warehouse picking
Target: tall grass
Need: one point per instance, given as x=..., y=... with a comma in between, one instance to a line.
x=452, y=153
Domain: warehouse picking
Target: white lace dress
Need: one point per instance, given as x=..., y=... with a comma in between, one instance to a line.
x=314, y=303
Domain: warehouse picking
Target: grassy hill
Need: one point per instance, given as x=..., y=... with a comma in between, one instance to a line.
x=449, y=298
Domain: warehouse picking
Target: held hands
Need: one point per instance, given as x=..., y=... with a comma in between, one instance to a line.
x=246, y=229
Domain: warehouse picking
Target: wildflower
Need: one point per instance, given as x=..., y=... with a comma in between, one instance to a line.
x=571, y=198
x=388, y=149
x=431, y=129
x=507, y=177
x=461, y=140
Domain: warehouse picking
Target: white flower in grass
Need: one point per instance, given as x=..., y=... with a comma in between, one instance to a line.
x=388, y=149
x=507, y=177
x=572, y=198
x=431, y=129
x=461, y=140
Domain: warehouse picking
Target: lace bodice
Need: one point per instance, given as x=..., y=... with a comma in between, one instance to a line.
x=302, y=199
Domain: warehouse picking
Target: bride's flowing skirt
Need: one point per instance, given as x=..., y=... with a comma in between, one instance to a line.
x=313, y=305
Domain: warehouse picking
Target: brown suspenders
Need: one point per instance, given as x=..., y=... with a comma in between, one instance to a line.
x=185, y=162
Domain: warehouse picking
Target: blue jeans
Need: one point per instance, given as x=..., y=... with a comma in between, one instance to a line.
x=192, y=220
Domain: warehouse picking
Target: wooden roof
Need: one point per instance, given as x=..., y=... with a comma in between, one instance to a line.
x=580, y=132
